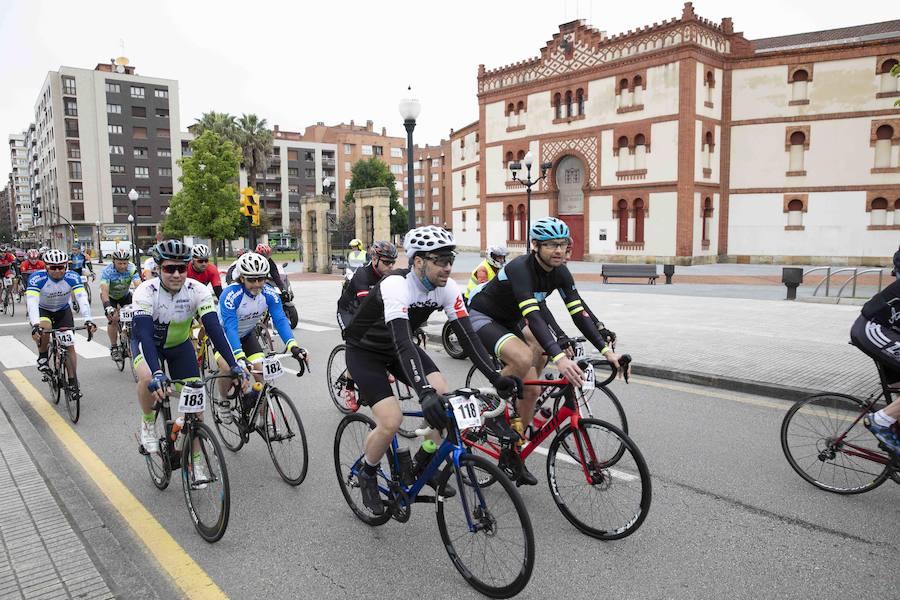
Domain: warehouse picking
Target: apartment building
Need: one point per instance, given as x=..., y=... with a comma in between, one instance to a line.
x=20, y=187
x=431, y=180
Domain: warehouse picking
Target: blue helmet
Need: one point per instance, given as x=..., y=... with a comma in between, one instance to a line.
x=549, y=228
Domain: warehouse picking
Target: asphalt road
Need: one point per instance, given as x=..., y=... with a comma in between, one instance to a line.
x=729, y=517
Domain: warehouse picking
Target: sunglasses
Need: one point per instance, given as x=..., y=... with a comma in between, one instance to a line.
x=201, y=261
x=170, y=269
x=252, y=279
x=386, y=262
x=555, y=245
x=441, y=260
x=56, y=267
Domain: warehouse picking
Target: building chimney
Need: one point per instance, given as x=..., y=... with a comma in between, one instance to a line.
x=370, y=125
x=384, y=131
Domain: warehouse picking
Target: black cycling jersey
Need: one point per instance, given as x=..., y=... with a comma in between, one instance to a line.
x=884, y=307
x=354, y=292
x=518, y=291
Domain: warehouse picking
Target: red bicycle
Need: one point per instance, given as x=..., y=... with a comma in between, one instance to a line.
x=596, y=473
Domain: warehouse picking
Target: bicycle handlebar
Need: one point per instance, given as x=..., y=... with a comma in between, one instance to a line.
x=80, y=328
x=487, y=391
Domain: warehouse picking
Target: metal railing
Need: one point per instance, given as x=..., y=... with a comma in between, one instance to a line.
x=853, y=279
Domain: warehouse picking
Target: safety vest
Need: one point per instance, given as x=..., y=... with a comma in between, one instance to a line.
x=357, y=258
x=473, y=280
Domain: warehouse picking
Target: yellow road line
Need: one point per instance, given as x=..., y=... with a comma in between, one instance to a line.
x=173, y=559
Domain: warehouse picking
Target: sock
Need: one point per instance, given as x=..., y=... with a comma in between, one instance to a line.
x=882, y=419
x=149, y=417
x=369, y=468
x=44, y=354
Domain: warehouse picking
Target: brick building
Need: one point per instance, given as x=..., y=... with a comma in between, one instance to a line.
x=431, y=180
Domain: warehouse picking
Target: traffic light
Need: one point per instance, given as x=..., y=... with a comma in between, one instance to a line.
x=250, y=205
x=254, y=207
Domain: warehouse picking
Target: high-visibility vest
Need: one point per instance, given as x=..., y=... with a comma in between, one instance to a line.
x=473, y=280
x=357, y=258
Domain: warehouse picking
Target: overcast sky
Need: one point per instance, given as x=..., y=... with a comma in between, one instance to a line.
x=296, y=63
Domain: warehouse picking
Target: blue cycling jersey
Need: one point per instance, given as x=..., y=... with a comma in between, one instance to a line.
x=77, y=259
x=240, y=312
x=119, y=283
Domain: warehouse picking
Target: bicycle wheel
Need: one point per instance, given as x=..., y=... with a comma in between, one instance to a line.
x=810, y=436
x=286, y=438
x=208, y=499
x=606, y=494
x=87, y=290
x=10, y=302
x=476, y=379
x=338, y=378
x=231, y=434
x=58, y=375
x=603, y=406
x=349, y=442
x=451, y=343
x=157, y=462
x=488, y=535
x=73, y=400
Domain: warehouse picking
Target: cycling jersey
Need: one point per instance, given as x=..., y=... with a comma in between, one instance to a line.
x=517, y=291
x=210, y=275
x=52, y=295
x=150, y=265
x=119, y=283
x=27, y=267
x=7, y=259
x=241, y=311
x=482, y=274
x=884, y=307
x=79, y=261
x=353, y=293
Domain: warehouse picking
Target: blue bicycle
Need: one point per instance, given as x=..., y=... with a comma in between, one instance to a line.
x=492, y=522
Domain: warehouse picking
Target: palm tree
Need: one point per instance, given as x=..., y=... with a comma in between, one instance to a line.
x=221, y=123
x=255, y=140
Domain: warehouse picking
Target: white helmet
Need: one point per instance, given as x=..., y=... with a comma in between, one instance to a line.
x=200, y=251
x=428, y=238
x=251, y=264
x=493, y=251
x=56, y=257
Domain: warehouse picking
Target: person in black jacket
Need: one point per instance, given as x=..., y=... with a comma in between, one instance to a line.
x=897, y=264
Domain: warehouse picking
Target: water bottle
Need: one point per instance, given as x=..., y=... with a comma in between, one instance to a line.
x=423, y=456
x=176, y=436
x=405, y=460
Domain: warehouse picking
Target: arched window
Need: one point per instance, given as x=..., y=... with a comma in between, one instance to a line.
x=795, y=213
x=622, y=215
x=510, y=109
x=557, y=106
x=798, y=145
x=520, y=106
x=710, y=84
x=520, y=155
x=624, y=155
x=509, y=159
x=463, y=183
x=799, y=82
x=639, y=221
x=707, y=150
x=640, y=151
x=579, y=99
x=637, y=90
x=878, y=212
x=510, y=223
x=511, y=116
x=624, y=94
x=569, y=107
x=888, y=81
x=706, y=219
x=883, y=136
x=464, y=219
x=477, y=220
x=521, y=222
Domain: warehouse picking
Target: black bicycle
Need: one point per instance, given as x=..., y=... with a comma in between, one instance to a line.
x=269, y=412
x=61, y=340
x=122, y=348
x=189, y=444
x=9, y=301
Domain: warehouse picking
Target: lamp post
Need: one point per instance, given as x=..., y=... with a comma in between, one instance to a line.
x=132, y=218
x=99, y=249
x=409, y=110
x=514, y=168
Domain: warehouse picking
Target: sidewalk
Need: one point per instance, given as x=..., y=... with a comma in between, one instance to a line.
x=771, y=347
x=41, y=556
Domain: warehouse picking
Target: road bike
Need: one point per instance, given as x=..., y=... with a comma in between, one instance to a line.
x=87, y=290
x=269, y=412
x=597, y=476
x=825, y=442
x=7, y=296
x=489, y=537
x=62, y=341
x=189, y=444
x=122, y=348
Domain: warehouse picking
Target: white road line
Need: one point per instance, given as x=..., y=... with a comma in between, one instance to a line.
x=91, y=349
x=15, y=354
x=315, y=328
x=568, y=459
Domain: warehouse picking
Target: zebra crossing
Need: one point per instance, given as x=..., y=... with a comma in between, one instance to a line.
x=15, y=353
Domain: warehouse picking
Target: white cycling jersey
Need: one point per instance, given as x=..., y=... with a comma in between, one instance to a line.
x=52, y=295
x=172, y=314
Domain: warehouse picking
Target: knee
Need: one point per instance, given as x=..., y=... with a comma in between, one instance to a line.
x=519, y=359
x=390, y=424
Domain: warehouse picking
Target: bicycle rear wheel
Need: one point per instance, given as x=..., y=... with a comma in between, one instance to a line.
x=286, y=438
x=208, y=498
x=488, y=533
x=338, y=378
x=349, y=443
x=606, y=492
x=73, y=400
x=451, y=343
x=820, y=436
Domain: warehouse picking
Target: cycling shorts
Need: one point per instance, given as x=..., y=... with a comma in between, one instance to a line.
x=370, y=372
x=180, y=360
x=880, y=342
x=494, y=335
x=58, y=318
x=253, y=350
x=120, y=302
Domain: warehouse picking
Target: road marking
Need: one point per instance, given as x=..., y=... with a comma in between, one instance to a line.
x=24, y=323
x=15, y=354
x=562, y=456
x=89, y=349
x=315, y=328
x=174, y=560
x=782, y=406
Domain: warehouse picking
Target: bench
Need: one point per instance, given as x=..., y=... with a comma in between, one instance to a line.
x=634, y=271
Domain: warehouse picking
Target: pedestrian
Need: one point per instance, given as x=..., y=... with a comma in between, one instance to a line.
x=896, y=270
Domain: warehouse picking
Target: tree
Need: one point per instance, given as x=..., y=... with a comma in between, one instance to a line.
x=255, y=140
x=207, y=205
x=399, y=218
x=221, y=123
x=372, y=173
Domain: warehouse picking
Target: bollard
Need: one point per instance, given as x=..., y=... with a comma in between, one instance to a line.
x=668, y=271
x=792, y=277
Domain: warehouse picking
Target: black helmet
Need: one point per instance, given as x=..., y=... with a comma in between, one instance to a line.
x=382, y=249
x=170, y=250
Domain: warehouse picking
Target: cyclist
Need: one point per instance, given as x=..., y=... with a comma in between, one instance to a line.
x=31, y=265
x=200, y=269
x=274, y=272
x=243, y=305
x=357, y=257
x=149, y=269
x=7, y=263
x=116, y=281
x=384, y=256
x=47, y=301
x=877, y=333
x=229, y=272
x=498, y=306
x=78, y=261
x=484, y=272
x=165, y=306
x=379, y=341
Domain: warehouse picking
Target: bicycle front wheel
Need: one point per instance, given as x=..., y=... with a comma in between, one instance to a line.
x=204, y=479
x=823, y=439
x=349, y=446
x=157, y=462
x=73, y=400
x=488, y=533
x=606, y=492
x=338, y=378
x=10, y=303
x=286, y=438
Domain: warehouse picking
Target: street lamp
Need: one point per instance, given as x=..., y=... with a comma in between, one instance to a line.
x=99, y=249
x=132, y=218
x=409, y=110
x=514, y=168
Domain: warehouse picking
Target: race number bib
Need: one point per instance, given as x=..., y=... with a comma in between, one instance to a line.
x=466, y=411
x=65, y=338
x=192, y=399
x=589, y=381
x=272, y=369
x=126, y=313
x=579, y=351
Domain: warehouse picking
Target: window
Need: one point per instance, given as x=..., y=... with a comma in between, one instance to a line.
x=348, y=148
x=164, y=153
x=795, y=209
x=73, y=149
x=309, y=173
x=570, y=108
x=435, y=191
x=435, y=176
x=883, y=139
x=706, y=224
x=637, y=92
x=293, y=172
x=143, y=210
x=139, y=111
x=114, y=129
x=165, y=191
x=114, y=109
x=477, y=175
x=378, y=150
x=508, y=159
x=71, y=108
x=163, y=133
x=69, y=85
x=74, y=170
x=139, y=133
x=77, y=191
x=396, y=152
x=397, y=169
x=137, y=92
x=142, y=172
x=799, y=82
x=797, y=147
x=435, y=162
x=117, y=169
x=293, y=189
x=310, y=156
x=638, y=221
x=143, y=192
x=557, y=106
x=112, y=88
x=348, y=167
x=162, y=113
x=878, y=212
x=116, y=150
x=477, y=220
x=888, y=83
x=709, y=82
x=622, y=216
x=435, y=206
x=463, y=218
x=165, y=172
x=626, y=159
x=141, y=152
x=624, y=94
x=640, y=152
x=367, y=150
x=160, y=93
x=579, y=101
x=347, y=183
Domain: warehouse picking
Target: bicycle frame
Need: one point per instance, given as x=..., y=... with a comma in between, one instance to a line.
x=859, y=451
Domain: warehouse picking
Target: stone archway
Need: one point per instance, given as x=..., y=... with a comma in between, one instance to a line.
x=570, y=183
